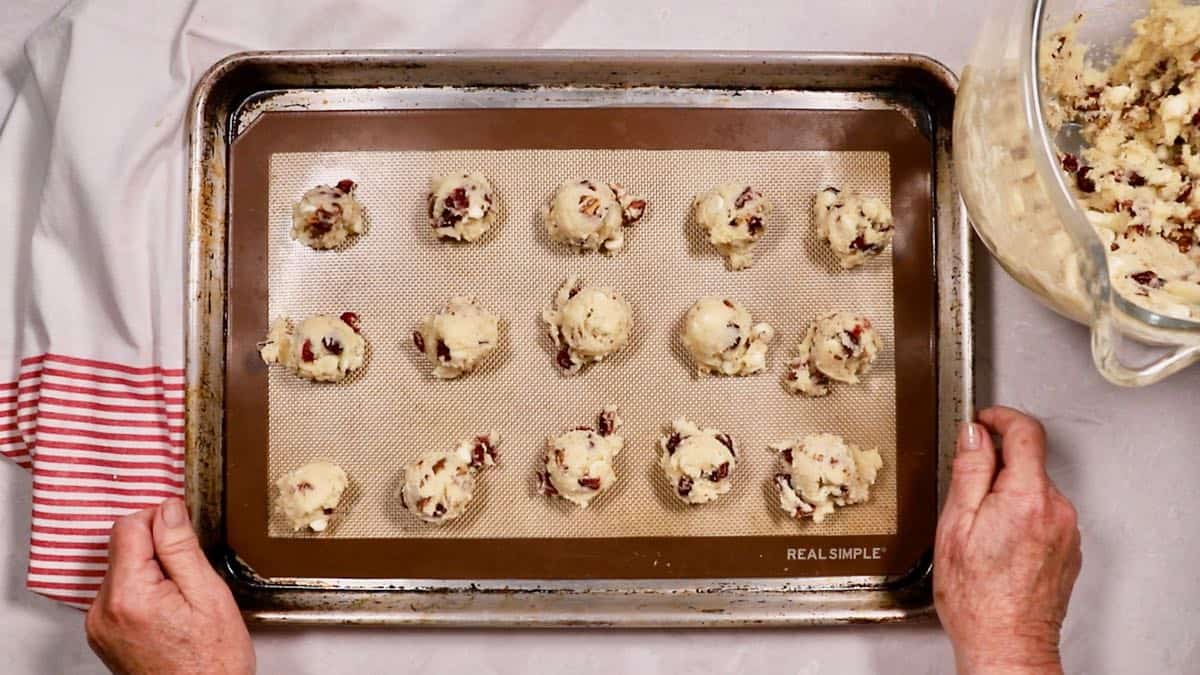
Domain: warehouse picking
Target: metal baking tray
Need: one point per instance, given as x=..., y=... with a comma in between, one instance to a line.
x=240, y=90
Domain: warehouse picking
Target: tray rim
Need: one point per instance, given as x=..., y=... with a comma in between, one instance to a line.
x=634, y=603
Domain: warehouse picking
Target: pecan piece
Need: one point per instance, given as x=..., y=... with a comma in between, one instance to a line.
x=419, y=341
x=589, y=205
x=746, y=196
x=544, y=485
x=684, y=487
x=673, y=443
x=607, y=422
x=482, y=451
x=332, y=346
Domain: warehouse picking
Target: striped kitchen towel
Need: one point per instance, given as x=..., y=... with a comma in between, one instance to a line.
x=102, y=439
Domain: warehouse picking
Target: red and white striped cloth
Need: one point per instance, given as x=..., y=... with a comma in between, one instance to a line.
x=102, y=440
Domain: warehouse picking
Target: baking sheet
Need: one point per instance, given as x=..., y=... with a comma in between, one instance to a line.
x=393, y=410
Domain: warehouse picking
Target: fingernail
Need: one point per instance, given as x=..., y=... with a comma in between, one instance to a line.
x=173, y=513
x=968, y=437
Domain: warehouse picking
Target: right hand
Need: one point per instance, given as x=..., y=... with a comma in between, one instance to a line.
x=162, y=608
x=1007, y=552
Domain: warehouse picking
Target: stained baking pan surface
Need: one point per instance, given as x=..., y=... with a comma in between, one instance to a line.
x=266, y=127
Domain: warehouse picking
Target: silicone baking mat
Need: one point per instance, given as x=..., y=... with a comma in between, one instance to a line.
x=395, y=410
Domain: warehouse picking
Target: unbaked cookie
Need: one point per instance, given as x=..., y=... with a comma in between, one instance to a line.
x=857, y=228
x=587, y=323
x=824, y=472
x=723, y=339
x=698, y=462
x=733, y=216
x=323, y=348
x=438, y=486
x=309, y=495
x=461, y=206
x=839, y=346
x=591, y=216
x=456, y=339
x=579, y=462
x=326, y=216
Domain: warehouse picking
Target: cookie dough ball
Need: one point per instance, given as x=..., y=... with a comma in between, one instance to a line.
x=323, y=348
x=326, y=216
x=722, y=338
x=456, y=339
x=824, y=472
x=733, y=215
x=587, y=323
x=579, y=463
x=309, y=495
x=857, y=228
x=840, y=346
x=461, y=206
x=698, y=462
x=438, y=486
x=591, y=215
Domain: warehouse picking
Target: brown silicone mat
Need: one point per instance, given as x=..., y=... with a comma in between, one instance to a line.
x=395, y=273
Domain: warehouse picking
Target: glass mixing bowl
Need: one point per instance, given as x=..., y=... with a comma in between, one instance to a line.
x=1018, y=199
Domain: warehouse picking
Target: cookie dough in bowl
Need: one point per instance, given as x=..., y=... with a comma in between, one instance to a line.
x=578, y=464
x=326, y=216
x=733, y=215
x=857, y=228
x=458, y=338
x=438, y=486
x=699, y=463
x=309, y=495
x=839, y=346
x=723, y=339
x=323, y=348
x=591, y=215
x=587, y=324
x=824, y=472
x=461, y=206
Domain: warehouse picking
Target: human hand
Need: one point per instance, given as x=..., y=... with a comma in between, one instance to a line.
x=1007, y=551
x=162, y=608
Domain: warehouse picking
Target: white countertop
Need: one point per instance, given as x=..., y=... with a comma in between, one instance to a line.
x=1137, y=603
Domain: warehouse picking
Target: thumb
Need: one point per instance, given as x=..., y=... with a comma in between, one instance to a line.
x=178, y=551
x=973, y=473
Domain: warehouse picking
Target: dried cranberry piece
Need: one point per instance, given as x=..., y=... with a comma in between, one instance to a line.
x=634, y=212
x=855, y=335
x=419, y=341
x=304, y=486
x=327, y=511
x=306, y=352
x=1136, y=179
x=332, y=346
x=590, y=482
x=1184, y=194
x=860, y=244
x=544, y=485
x=1114, y=246
x=457, y=199
x=449, y=219
x=443, y=351
x=439, y=510
x=403, y=501
x=684, y=487
x=727, y=442
x=320, y=223
x=351, y=319
x=1083, y=181
x=755, y=226
x=727, y=303
x=746, y=196
x=673, y=443
x=564, y=359
x=607, y=422
x=787, y=455
x=1148, y=278
x=345, y=185
x=1070, y=163
x=1196, y=119
x=720, y=473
